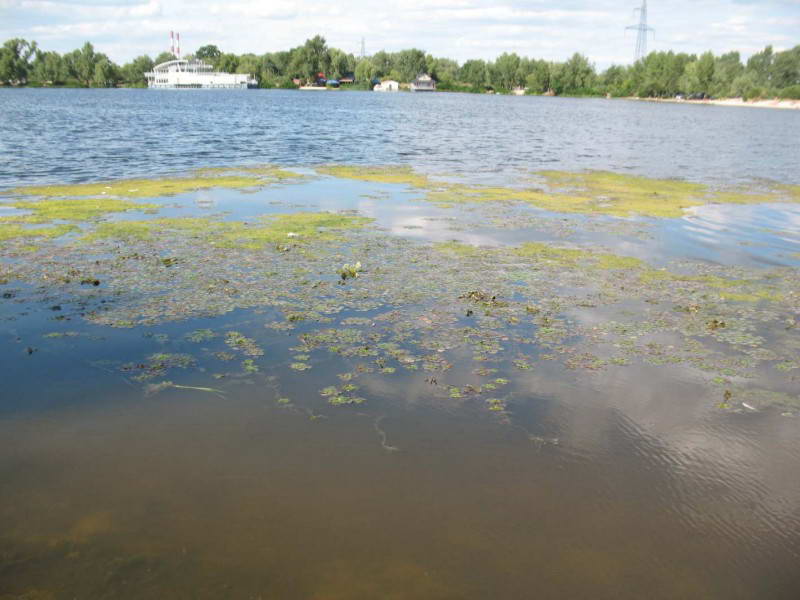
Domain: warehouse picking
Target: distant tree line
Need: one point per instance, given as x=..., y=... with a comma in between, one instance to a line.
x=660, y=74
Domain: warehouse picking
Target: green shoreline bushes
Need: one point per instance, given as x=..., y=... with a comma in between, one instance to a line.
x=658, y=75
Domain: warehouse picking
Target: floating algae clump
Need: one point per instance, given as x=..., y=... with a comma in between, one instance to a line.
x=588, y=192
x=615, y=194
x=738, y=290
x=792, y=192
x=450, y=194
x=10, y=232
x=140, y=188
x=439, y=192
x=571, y=257
x=295, y=228
x=547, y=254
x=458, y=249
x=84, y=209
x=619, y=195
x=270, y=171
x=388, y=174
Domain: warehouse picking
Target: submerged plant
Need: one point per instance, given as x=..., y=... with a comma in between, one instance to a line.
x=350, y=271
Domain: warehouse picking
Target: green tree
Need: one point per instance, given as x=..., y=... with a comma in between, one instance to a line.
x=106, y=73
x=705, y=72
x=208, y=53
x=366, y=71
x=761, y=65
x=576, y=76
x=164, y=57
x=790, y=93
x=746, y=86
x=504, y=72
x=726, y=68
x=14, y=60
x=443, y=70
x=689, y=82
x=341, y=63
x=785, y=69
x=659, y=74
x=227, y=63
x=538, y=80
x=312, y=58
x=474, y=73
x=274, y=67
x=48, y=68
x=133, y=72
x=81, y=64
x=409, y=64
x=248, y=64
x=383, y=62
x=612, y=81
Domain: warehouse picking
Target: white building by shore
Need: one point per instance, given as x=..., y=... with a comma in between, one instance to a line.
x=388, y=85
x=175, y=74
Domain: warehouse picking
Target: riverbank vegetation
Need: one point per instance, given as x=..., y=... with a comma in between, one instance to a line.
x=766, y=74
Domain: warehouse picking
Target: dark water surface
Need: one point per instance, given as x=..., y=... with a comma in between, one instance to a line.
x=626, y=481
x=77, y=135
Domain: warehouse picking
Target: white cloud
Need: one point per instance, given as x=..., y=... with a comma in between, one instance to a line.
x=459, y=29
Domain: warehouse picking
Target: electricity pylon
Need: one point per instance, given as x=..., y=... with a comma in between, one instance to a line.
x=642, y=28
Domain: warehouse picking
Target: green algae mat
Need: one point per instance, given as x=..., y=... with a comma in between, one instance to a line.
x=593, y=192
x=344, y=283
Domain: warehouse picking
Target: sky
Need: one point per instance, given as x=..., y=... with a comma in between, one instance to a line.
x=459, y=29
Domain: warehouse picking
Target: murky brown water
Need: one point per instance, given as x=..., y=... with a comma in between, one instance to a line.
x=606, y=489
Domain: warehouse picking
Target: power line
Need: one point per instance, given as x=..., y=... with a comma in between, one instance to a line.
x=642, y=28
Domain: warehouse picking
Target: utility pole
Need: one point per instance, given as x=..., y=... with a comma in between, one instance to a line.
x=642, y=28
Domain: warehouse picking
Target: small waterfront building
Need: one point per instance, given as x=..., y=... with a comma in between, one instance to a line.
x=194, y=73
x=389, y=85
x=423, y=83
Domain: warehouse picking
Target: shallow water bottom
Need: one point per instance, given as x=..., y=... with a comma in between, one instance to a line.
x=186, y=495
x=517, y=413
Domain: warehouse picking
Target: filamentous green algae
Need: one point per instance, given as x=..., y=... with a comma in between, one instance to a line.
x=295, y=228
x=140, y=188
x=250, y=176
x=738, y=290
x=13, y=231
x=385, y=174
x=547, y=256
x=586, y=192
x=617, y=194
x=269, y=172
x=574, y=257
x=82, y=209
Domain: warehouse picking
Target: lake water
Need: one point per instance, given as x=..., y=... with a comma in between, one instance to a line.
x=189, y=415
x=78, y=135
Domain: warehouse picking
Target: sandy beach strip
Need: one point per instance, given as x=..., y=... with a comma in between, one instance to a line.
x=775, y=103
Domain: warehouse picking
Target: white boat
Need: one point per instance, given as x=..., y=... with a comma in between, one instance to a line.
x=389, y=85
x=423, y=83
x=195, y=73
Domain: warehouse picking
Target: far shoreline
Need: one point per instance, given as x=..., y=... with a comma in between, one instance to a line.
x=773, y=103
x=783, y=104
